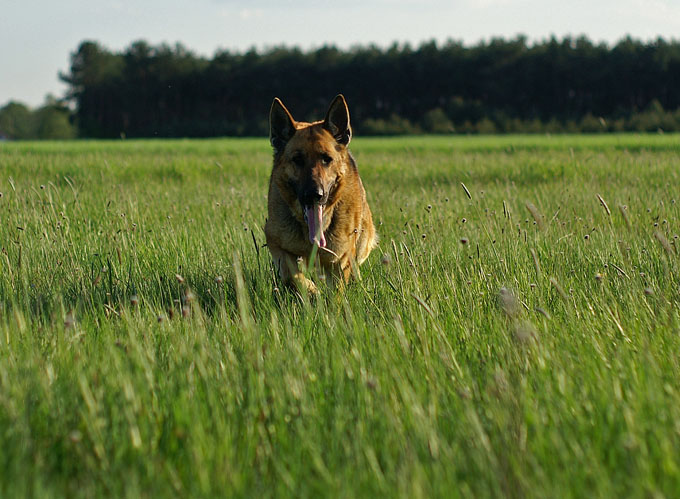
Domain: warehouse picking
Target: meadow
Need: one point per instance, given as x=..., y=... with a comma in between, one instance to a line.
x=516, y=333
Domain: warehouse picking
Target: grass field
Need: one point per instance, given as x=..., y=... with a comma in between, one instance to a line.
x=521, y=341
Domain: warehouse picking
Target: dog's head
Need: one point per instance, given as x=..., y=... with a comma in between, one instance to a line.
x=310, y=160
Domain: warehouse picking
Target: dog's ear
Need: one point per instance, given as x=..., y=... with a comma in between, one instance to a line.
x=281, y=125
x=337, y=120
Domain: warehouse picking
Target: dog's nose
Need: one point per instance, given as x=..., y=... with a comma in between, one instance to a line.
x=312, y=195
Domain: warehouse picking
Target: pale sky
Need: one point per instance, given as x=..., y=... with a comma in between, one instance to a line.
x=37, y=36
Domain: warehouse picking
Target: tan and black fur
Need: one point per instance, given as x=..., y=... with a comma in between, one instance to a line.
x=316, y=197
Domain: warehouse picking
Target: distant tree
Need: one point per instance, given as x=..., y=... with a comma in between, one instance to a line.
x=52, y=121
x=591, y=124
x=436, y=121
x=654, y=119
x=96, y=86
x=485, y=125
x=17, y=121
x=393, y=125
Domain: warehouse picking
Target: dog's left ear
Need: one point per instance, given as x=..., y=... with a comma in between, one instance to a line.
x=281, y=125
x=337, y=120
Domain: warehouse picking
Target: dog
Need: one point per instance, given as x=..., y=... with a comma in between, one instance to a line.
x=316, y=198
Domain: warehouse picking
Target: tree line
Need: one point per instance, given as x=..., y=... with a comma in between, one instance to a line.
x=565, y=85
x=52, y=120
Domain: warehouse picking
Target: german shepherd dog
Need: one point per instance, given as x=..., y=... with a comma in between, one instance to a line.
x=316, y=197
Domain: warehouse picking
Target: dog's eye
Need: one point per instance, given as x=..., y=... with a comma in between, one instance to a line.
x=326, y=159
x=299, y=160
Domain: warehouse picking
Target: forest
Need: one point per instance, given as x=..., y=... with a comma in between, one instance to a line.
x=496, y=86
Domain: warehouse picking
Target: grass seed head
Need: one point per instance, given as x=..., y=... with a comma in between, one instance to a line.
x=543, y=312
x=386, y=259
x=464, y=392
x=538, y=218
x=524, y=332
x=623, y=209
x=467, y=192
x=69, y=320
x=537, y=263
x=664, y=242
x=508, y=302
x=371, y=382
x=188, y=296
x=500, y=383
x=559, y=289
x=604, y=205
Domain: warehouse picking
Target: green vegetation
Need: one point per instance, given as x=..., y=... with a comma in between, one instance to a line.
x=49, y=122
x=513, y=334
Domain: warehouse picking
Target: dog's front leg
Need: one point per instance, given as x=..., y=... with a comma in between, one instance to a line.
x=290, y=273
x=344, y=266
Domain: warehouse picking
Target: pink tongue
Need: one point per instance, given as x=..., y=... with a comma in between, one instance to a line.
x=315, y=222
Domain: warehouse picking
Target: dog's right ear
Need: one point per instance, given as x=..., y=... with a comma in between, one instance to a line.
x=281, y=125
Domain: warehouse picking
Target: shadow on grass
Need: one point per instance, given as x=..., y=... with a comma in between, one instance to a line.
x=109, y=292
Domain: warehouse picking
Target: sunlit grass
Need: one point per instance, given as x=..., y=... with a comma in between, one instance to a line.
x=518, y=336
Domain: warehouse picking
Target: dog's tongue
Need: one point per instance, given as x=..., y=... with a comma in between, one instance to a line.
x=314, y=215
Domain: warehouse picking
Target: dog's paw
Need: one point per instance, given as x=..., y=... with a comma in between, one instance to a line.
x=304, y=285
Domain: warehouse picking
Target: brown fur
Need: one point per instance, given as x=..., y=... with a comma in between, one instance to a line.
x=314, y=158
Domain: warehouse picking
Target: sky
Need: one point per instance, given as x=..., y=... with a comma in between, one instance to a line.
x=38, y=36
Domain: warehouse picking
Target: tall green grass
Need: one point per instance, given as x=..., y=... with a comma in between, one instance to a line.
x=514, y=334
